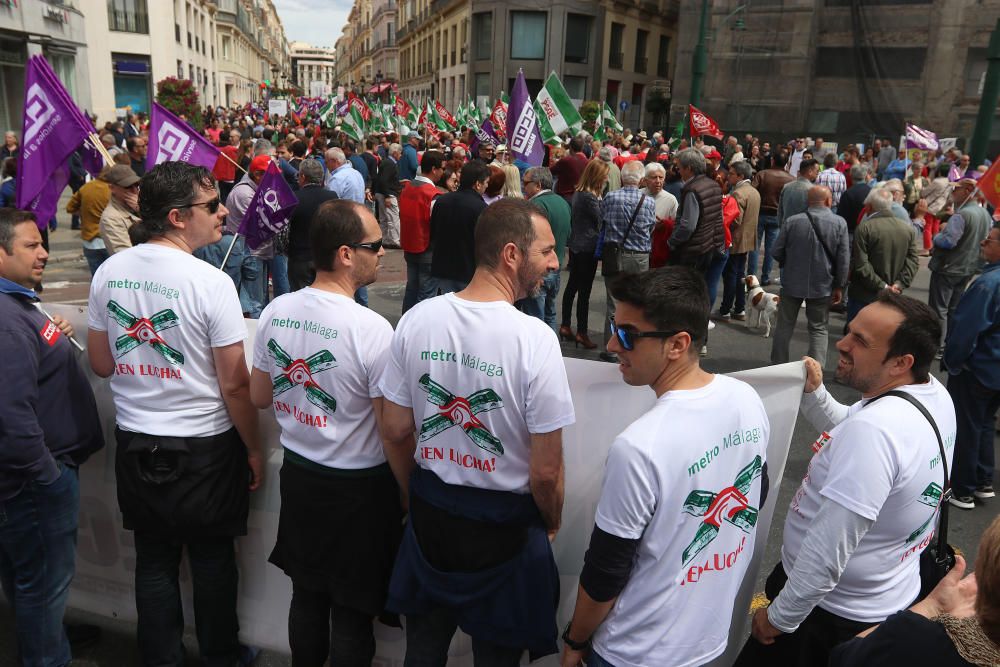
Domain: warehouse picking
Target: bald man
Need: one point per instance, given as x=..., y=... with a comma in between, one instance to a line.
x=814, y=252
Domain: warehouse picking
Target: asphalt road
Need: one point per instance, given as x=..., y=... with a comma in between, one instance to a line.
x=732, y=347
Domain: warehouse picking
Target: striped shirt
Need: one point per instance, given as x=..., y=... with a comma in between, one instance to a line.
x=834, y=180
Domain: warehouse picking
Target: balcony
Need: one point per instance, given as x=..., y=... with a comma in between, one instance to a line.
x=384, y=9
x=616, y=60
x=640, y=65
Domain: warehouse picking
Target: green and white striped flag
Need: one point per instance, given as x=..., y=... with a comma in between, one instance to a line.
x=609, y=118
x=353, y=124
x=555, y=110
x=329, y=108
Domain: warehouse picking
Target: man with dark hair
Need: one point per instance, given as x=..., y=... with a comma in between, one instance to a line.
x=188, y=444
x=866, y=509
x=136, y=146
x=311, y=194
x=974, y=378
x=769, y=183
x=567, y=170
x=453, y=226
x=386, y=187
x=744, y=233
x=488, y=387
x=339, y=525
x=49, y=426
x=415, y=202
x=794, y=198
x=538, y=190
x=648, y=594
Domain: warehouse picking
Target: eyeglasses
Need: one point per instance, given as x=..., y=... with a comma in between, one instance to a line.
x=627, y=337
x=212, y=205
x=527, y=182
x=374, y=246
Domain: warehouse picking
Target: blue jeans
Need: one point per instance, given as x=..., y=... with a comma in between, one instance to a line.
x=714, y=274
x=361, y=296
x=241, y=267
x=734, y=294
x=594, y=660
x=976, y=408
x=543, y=306
x=95, y=257
x=279, y=275
x=419, y=283
x=854, y=306
x=37, y=562
x=767, y=234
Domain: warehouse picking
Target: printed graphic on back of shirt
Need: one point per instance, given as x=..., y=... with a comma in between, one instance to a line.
x=300, y=372
x=931, y=497
x=140, y=330
x=729, y=505
x=456, y=410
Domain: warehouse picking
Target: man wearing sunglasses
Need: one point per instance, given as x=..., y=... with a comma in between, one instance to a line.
x=675, y=524
x=122, y=211
x=168, y=330
x=483, y=389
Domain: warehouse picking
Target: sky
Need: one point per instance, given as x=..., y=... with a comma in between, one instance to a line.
x=318, y=22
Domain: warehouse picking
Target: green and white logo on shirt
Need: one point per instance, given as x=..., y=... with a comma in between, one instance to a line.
x=139, y=330
x=297, y=372
x=730, y=505
x=459, y=411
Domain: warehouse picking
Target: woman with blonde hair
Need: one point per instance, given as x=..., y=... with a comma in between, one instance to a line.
x=586, y=222
x=512, y=186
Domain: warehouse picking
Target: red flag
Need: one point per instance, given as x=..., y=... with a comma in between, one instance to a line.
x=363, y=109
x=498, y=119
x=402, y=108
x=445, y=114
x=989, y=184
x=702, y=124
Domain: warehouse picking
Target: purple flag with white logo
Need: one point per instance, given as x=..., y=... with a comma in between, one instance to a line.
x=485, y=134
x=173, y=140
x=918, y=137
x=269, y=210
x=524, y=140
x=50, y=133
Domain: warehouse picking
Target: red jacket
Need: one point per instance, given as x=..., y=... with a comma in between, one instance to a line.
x=225, y=170
x=415, y=215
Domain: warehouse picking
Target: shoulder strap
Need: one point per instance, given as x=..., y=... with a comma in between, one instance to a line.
x=829, y=255
x=631, y=221
x=942, y=535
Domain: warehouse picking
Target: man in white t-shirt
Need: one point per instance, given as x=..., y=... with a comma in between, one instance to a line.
x=676, y=523
x=168, y=330
x=476, y=400
x=318, y=359
x=867, y=507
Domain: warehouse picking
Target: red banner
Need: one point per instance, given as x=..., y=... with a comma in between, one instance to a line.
x=702, y=124
x=989, y=184
x=402, y=108
x=444, y=114
x=363, y=109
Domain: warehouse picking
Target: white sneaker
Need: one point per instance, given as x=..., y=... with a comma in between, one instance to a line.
x=963, y=502
x=711, y=325
x=984, y=492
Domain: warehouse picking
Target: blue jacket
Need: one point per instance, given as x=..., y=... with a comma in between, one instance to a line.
x=48, y=414
x=408, y=164
x=974, y=331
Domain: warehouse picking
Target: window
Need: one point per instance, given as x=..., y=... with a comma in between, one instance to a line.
x=663, y=58
x=177, y=32
x=527, y=35
x=482, y=35
x=975, y=72
x=225, y=47
x=578, y=37
x=483, y=85
x=641, y=63
x=128, y=16
x=576, y=86
x=616, y=58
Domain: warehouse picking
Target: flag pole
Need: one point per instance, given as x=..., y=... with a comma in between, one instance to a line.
x=225, y=259
x=72, y=340
x=237, y=164
x=95, y=142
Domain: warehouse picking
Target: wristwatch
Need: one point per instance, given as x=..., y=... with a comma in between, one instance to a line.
x=574, y=645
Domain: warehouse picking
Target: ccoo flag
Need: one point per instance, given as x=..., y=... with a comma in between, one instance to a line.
x=556, y=111
x=173, y=140
x=917, y=137
x=702, y=124
x=51, y=131
x=269, y=210
x=523, y=138
x=989, y=184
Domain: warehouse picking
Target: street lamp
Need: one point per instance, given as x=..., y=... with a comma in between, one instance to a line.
x=378, y=83
x=699, y=59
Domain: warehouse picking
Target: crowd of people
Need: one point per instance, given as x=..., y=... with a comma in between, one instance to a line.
x=367, y=413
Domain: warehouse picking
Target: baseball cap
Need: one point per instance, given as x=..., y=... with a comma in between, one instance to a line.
x=713, y=155
x=121, y=175
x=260, y=163
x=413, y=135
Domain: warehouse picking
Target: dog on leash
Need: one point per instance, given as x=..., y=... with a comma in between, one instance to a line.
x=763, y=306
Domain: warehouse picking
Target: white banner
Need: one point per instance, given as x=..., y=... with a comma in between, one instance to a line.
x=277, y=107
x=604, y=407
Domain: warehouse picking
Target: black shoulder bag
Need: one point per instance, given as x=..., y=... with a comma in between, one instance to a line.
x=611, y=251
x=939, y=556
x=829, y=255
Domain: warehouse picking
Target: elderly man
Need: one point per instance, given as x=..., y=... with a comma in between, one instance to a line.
x=408, y=162
x=769, y=183
x=664, y=203
x=853, y=199
x=698, y=233
x=956, y=257
x=815, y=253
x=884, y=256
x=122, y=210
x=311, y=194
x=744, y=233
x=629, y=216
x=538, y=190
x=386, y=187
x=343, y=178
x=614, y=173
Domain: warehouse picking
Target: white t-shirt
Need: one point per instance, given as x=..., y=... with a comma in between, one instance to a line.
x=164, y=310
x=325, y=355
x=664, y=205
x=684, y=479
x=481, y=378
x=883, y=463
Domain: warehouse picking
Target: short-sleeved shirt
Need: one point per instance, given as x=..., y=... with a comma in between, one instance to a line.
x=684, y=479
x=164, y=310
x=481, y=378
x=325, y=355
x=883, y=463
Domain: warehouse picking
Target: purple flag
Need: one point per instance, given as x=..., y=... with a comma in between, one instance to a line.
x=50, y=133
x=269, y=210
x=485, y=134
x=524, y=140
x=918, y=137
x=93, y=160
x=173, y=140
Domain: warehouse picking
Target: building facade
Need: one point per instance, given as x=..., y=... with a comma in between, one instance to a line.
x=848, y=71
x=53, y=29
x=385, y=50
x=252, y=49
x=314, y=69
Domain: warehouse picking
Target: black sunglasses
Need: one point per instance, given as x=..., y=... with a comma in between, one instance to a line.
x=374, y=246
x=212, y=205
x=627, y=338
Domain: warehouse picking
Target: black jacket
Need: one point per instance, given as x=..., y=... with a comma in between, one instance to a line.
x=851, y=203
x=453, y=227
x=310, y=198
x=387, y=180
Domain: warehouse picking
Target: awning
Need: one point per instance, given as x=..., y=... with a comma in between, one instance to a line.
x=381, y=88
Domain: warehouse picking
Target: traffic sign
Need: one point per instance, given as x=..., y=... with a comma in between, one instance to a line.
x=623, y=105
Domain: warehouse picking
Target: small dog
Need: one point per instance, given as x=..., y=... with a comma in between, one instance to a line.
x=762, y=304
